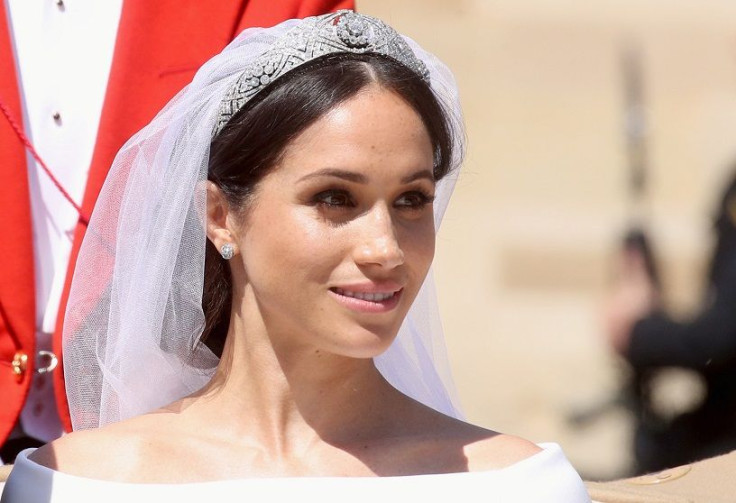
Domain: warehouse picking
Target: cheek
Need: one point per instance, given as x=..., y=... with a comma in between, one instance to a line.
x=289, y=243
x=418, y=246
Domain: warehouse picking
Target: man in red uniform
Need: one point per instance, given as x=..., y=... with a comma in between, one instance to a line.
x=158, y=47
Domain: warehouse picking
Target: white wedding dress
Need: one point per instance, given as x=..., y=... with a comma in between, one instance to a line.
x=544, y=477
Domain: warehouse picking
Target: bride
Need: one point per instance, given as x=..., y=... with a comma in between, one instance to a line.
x=251, y=312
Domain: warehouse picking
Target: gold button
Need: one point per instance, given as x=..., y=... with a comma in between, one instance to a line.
x=19, y=364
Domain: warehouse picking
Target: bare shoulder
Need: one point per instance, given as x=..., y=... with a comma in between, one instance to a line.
x=90, y=453
x=116, y=452
x=498, y=451
x=461, y=446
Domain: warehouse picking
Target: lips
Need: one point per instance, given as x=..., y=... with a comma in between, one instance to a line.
x=369, y=296
x=368, y=299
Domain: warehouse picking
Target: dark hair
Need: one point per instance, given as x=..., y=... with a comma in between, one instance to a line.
x=255, y=138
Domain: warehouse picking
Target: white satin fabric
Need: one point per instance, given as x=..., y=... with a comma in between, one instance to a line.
x=544, y=477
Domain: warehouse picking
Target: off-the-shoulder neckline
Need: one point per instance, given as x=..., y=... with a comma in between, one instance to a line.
x=549, y=450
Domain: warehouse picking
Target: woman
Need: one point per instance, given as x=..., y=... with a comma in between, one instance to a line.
x=293, y=183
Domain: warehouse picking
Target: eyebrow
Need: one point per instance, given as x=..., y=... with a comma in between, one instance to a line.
x=354, y=177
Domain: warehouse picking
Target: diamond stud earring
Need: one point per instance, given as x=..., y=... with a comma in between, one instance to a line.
x=227, y=251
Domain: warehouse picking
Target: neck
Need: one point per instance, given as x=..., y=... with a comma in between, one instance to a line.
x=286, y=399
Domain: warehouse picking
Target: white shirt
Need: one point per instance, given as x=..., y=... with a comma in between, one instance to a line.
x=63, y=53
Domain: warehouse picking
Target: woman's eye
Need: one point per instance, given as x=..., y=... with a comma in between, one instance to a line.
x=414, y=200
x=334, y=198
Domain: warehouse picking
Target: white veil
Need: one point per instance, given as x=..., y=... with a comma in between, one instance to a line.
x=134, y=316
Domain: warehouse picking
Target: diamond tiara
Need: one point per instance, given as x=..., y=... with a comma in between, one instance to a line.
x=344, y=31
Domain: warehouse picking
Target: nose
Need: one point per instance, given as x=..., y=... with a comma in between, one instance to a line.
x=378, y=243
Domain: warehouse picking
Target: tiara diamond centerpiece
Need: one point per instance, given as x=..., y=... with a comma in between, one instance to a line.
x=355, y=31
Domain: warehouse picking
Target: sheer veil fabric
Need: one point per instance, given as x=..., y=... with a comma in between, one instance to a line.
x=134, y=316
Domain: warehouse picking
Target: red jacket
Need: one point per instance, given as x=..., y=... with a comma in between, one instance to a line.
x=159, y=46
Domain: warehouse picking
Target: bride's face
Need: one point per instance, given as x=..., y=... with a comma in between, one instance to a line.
x=340, y=234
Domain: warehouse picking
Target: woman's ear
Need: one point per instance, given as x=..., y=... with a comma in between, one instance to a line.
x=219, y=220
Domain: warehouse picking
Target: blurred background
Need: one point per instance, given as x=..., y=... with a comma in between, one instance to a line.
x=525, y=254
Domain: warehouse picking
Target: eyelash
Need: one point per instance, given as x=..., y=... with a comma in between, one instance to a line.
x=422, y=199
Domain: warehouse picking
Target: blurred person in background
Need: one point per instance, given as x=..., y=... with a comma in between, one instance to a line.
x=649, y=338
x=67, y=71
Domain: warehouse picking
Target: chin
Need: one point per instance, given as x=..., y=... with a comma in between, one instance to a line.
x=369, y=343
